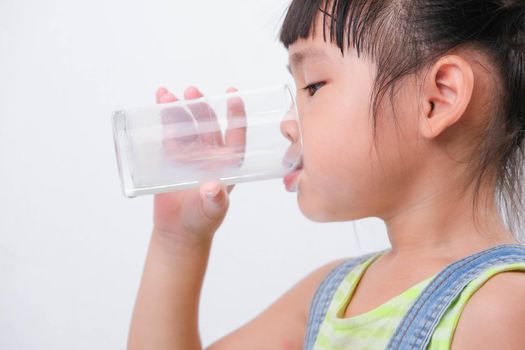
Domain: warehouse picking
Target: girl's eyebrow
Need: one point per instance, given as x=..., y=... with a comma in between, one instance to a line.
x=299, y=57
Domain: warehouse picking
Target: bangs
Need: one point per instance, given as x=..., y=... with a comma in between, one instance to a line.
x=356, y=23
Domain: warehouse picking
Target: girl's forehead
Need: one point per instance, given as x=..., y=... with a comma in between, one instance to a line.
x=318, y=50
x=297, y=56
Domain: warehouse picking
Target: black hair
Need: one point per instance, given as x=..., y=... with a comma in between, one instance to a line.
x=403, y=37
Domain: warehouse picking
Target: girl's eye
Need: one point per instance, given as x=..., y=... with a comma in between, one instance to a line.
x=312, y=88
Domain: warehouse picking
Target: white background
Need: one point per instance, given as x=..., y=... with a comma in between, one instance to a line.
x=72, y=247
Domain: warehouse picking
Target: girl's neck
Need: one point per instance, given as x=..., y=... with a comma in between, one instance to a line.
x=442, y=225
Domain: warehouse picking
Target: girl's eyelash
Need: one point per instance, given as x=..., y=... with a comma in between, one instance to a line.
x=309, y=87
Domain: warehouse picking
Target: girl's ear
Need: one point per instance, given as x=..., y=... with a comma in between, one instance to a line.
x=446, y=95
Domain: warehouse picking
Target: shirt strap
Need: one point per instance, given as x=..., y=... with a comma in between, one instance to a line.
x=324, y=295
x=418, y=325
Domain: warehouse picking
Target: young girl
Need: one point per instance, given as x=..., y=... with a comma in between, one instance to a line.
x=412, y=111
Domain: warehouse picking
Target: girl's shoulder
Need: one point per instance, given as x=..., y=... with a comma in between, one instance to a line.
x=494, y=316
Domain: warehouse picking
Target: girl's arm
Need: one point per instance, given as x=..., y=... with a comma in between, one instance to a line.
x=166, y=312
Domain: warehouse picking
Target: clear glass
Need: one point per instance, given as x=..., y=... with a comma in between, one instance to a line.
x=233, y=137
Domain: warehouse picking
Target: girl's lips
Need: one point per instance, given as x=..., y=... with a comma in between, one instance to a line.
x=292, y=179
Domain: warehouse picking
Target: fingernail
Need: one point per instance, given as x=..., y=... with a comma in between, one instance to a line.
x=210, y=195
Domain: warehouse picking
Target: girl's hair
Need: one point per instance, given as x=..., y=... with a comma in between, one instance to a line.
x=404, y=36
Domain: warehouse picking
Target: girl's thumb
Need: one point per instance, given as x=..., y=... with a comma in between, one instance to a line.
x=215, y=200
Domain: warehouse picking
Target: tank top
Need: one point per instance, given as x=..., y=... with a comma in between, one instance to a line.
x=374, y=329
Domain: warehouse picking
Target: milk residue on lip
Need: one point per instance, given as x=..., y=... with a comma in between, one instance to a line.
x=292, y=162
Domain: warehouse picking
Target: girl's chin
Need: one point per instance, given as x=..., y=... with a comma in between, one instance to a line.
x=309, y=207
x=307, y=201
x=318, y=209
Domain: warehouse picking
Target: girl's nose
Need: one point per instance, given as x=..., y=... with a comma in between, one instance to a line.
x=290, y=129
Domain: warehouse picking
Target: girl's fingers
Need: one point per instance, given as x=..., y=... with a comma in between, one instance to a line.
x=236, y=130
x=191, y=93
x=167, y=97
x=205, y=118
x=164, y=96
x=160, y=91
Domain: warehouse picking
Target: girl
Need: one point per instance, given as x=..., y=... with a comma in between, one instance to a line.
x=422, y=101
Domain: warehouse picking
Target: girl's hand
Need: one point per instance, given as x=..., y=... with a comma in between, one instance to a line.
x=192, y=216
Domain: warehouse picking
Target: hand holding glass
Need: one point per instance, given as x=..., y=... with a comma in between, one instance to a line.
x=233, y=137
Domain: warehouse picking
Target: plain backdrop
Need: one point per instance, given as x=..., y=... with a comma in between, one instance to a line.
x=72, y=248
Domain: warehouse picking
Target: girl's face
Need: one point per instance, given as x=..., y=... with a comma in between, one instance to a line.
x=343, y=177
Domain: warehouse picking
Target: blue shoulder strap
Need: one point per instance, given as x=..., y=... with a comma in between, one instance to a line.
x=323, y=297
x=418, y=325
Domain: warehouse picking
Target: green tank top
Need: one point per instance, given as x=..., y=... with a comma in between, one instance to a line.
x=372, y=330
